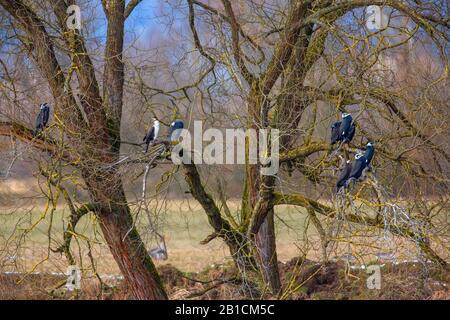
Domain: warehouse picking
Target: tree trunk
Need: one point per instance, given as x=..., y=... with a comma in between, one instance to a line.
x=129, y=252
x=267, y=253
x=265, y=237
x=123, y=240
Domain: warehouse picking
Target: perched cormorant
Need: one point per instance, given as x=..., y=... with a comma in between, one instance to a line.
x=370, y=150
x=346, y=129
x=42, y=118
x=175, y=130
x=358, y=166
x=345, y=173
x=152, y=134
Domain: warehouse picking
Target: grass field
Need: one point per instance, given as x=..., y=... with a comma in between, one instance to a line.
x=183, y=224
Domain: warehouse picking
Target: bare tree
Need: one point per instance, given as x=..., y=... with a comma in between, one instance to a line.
x=90, y=126
x=290, y=61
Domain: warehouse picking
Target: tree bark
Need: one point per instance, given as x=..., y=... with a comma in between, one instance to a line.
x=129, y=252
x=127, y=247
x=258, y=209
x=267, y=253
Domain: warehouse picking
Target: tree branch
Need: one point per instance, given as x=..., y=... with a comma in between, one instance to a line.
x=286, y=45
x=91, y=99
x=304, y=151
x=45, y=57
x=248, y=76
x=14, y=129
x=130, y=7
x=404, y=231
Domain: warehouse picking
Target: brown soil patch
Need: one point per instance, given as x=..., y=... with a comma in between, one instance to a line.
x=301, y=278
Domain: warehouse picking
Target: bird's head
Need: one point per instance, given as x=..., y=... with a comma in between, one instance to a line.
x=177, y=124
x=345, y=115
x=44, y=105
x=369, y=144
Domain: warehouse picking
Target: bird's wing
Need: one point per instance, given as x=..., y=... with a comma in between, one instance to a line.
x=335, y=134
x=348, y=168
x=351, y=132
x=369, y=154
x=345, y=173
x=356, y=167
x=345, y=125
x=151, y=134
x=46, y=114
x=39, y=119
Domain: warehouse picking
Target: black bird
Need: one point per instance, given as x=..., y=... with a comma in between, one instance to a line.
x=345, y=173
x=346, y=130
x=175, y=131
x=358, y=166
x=152, y=134
x=42, y=118
x=335, y=132
x=370, y=150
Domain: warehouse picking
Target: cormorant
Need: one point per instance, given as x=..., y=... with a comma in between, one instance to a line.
x=175, y=130
x=358, y=166
x=42, y=118
x=152, y=134
x=346, y=130
x=370, y=150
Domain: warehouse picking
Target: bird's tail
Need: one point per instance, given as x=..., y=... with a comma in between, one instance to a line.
x=350, y=183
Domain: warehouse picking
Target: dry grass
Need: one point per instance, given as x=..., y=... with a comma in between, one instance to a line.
x=183, y=224
x=307, y=280
x=24, y=247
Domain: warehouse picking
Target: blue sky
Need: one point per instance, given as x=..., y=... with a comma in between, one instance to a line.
x=142, y=20
x=147, y=22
